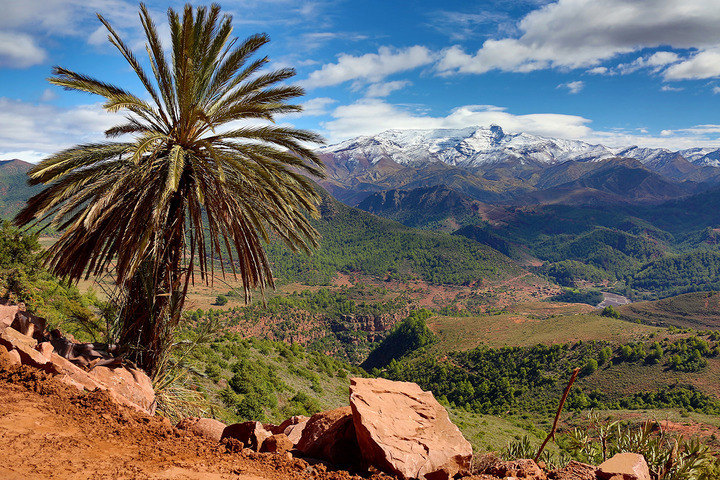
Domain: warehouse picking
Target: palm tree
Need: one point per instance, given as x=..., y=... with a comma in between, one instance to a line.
x=204, y=180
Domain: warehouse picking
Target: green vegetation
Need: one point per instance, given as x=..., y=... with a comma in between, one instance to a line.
x=409, y=335
x=358, y=242
x=574, y=295
x=23, y=279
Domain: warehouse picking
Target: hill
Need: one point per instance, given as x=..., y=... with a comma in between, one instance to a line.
x=14, y=190
x=494, y=166
x=356, y=241
x=700, y=310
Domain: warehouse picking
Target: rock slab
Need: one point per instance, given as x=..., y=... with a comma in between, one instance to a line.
x=404, y=431
x=628, y=466
x=250, y=434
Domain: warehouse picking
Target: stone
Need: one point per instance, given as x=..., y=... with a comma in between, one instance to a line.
x=7, y=358
x=29, y=324
x=250, y=434
x=331, y=436
x=128, y=386
x=204, y=427
x=631, y=466
x=575, y=471
x=25, y=346
x=277, y=443
x=46, y=349
x=403, y=430
x=14, y=357
x=521, y=468
x=293, y=427
x=7, y=315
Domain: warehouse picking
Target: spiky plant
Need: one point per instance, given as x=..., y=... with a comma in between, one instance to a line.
x=202, y=181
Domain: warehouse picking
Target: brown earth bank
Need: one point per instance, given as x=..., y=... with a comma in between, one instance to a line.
x=49, y=430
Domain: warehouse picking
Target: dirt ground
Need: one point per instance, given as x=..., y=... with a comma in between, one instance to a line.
x=50, y=431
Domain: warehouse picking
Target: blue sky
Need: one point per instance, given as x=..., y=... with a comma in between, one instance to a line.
x=618, y=72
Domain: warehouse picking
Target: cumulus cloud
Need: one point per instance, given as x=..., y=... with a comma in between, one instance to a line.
x=372, y=116
x=30, y=131
x=371, y=67
x=386, y=88
x=18, y=50
x=583, y=33
x=705, y=64
x=314, y=107
x=573, y=87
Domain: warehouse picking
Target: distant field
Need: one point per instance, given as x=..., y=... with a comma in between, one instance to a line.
x=700, y=310
x=528, y=325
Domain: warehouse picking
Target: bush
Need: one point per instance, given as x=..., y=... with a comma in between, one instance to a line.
x=221, y=300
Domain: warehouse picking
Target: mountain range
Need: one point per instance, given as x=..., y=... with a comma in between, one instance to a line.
x=493, y=166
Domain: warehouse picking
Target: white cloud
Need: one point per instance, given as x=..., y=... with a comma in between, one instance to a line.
x=371, y=67
x=583, y=33
x=19, y=50
x=705, y=64
x=716, y=90
x=48, y=95
x=31, y=131
x=573, y=87
x=315, y=107
x=386, y=88
x=372, y=116
x=668, y=88
x=599, y=71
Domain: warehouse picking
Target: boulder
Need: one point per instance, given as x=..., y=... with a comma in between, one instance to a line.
x=403, y=430
x=8, y=358
x=128, y=386
x=293, y=427
x=331, y=436
x=7, y=315
x=575, y=471
x=46, y=349
x=29, y=324
x=205, y=427
x=628, y=466
x=521, y=468
x=277, y=443
x=25, y=346
x=250, y=434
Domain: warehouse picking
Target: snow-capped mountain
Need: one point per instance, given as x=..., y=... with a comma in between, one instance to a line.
x=480, y=146
x=466, y=147
x=491, y=165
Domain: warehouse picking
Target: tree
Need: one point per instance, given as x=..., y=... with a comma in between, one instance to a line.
x=196, y=184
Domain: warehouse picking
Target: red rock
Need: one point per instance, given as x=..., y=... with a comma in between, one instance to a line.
x=250, y=434
x=277, y=443
x=8, y=358
x=293, y=427
x=46, y=349
x=521, y=468
x=575, y=471
x=14, y=357
x=403, y=430
x=25, y=346
x=205, y=427
x=7, y=315
x=29, y=324
x=631, y=466
x=128, y=386
x=331, y=436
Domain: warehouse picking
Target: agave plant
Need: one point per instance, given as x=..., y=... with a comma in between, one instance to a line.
x=200, y=176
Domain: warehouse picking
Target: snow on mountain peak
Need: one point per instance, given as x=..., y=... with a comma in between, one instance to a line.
x=478, y=146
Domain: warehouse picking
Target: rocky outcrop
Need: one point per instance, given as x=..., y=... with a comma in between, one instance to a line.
x=624, y=466
x=126, y=386
x=403, y=430
x=278, y=443
x=331, y=436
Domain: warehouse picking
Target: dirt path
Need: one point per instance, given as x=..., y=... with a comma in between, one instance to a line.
x=49, y=431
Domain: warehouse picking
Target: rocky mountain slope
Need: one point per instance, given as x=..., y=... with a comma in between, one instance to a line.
x=491, y=165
